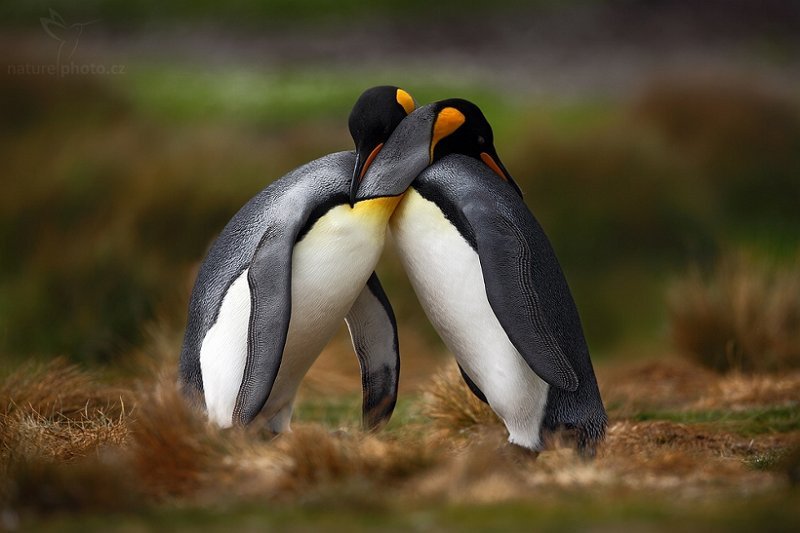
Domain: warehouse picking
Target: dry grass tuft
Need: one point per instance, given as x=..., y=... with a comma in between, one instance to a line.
x=52, y=416
x=452, y=406
x=661, y=454
x=680, y=385
x=174, y=450
x=657, y=384
x=57, y=411
x=65, y=439
x=313, y=455
x=485, y=469
x=94, y=460
x=745, y=316
x=641, y=439
x=58, y=389
x=739, y=391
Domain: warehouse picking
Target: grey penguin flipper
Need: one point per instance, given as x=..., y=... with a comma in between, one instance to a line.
x=507, y=268
x=373, y=330
x=270, y=279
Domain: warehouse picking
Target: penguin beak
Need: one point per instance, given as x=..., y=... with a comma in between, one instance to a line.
x=355, y=181
x=362, y=165
x=493, y=161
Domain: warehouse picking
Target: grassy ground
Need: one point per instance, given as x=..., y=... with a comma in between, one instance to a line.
x=114, y=187
x=686, y=448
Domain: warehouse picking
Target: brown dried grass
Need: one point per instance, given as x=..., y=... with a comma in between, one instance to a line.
x=745, y=316
x=450, y=404
x=164, y=451
x=56, y=421
x=663, y=455
x=174, y=450
x=60, y=412
x=58, y=388
x=682, y=385
x=740, y=391
x=313, y=455
x=655, y=384
x=652, y=455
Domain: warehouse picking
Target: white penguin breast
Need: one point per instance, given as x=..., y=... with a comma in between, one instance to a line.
x=447, y=278
x=330, y=267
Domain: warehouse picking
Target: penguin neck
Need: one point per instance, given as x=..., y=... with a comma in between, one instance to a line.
x=377, y=208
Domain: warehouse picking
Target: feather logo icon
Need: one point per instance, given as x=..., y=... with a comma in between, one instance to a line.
x=67, y=35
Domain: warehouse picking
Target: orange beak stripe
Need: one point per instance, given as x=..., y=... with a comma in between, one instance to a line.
x=490, y=162
x=368, y=162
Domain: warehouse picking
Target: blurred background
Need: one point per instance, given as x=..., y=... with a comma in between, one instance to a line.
x=658, y=143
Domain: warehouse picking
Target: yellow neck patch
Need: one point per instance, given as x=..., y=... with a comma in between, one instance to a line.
x=405, y=100
x=447, y=121
x=377, y=208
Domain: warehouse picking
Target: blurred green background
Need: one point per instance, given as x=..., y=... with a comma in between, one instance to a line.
x=647, y=136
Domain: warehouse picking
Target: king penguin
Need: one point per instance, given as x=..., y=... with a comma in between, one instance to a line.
x=489, y=281
x=288, y=267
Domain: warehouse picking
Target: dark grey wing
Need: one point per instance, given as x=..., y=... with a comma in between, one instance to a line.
x=373, y=330
x=511, y=286
x=308, y=192
x=270, y=280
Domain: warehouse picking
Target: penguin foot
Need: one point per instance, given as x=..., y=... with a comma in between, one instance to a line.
x=577, y=439
x=262, y=432
x=520, y=455
x=587, y=452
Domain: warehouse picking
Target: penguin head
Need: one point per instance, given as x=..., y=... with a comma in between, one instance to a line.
x=375, y=115
x=405, y=154
x=453, y=126
x=473, y=138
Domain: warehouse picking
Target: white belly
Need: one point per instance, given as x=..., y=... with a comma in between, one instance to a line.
x=446, y=275
x=330, y=267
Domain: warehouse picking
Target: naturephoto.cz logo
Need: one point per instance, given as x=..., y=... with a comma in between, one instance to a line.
x=68, y=36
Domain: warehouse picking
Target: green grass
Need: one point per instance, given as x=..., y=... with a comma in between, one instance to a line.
x=344, y=411
x=749, y=422
x=278, y=96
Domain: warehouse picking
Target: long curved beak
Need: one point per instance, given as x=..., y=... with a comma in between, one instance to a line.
x=401, y=159
x=492, y=160
x=361, y=167
x=356, y=180
x=409, y=150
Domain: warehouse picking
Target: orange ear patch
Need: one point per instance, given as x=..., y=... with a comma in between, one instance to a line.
x=491, y=163
x=405, y=100
x=448, y=120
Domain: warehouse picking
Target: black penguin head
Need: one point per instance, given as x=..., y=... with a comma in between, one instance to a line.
x=375, y=115
x=473, y=137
